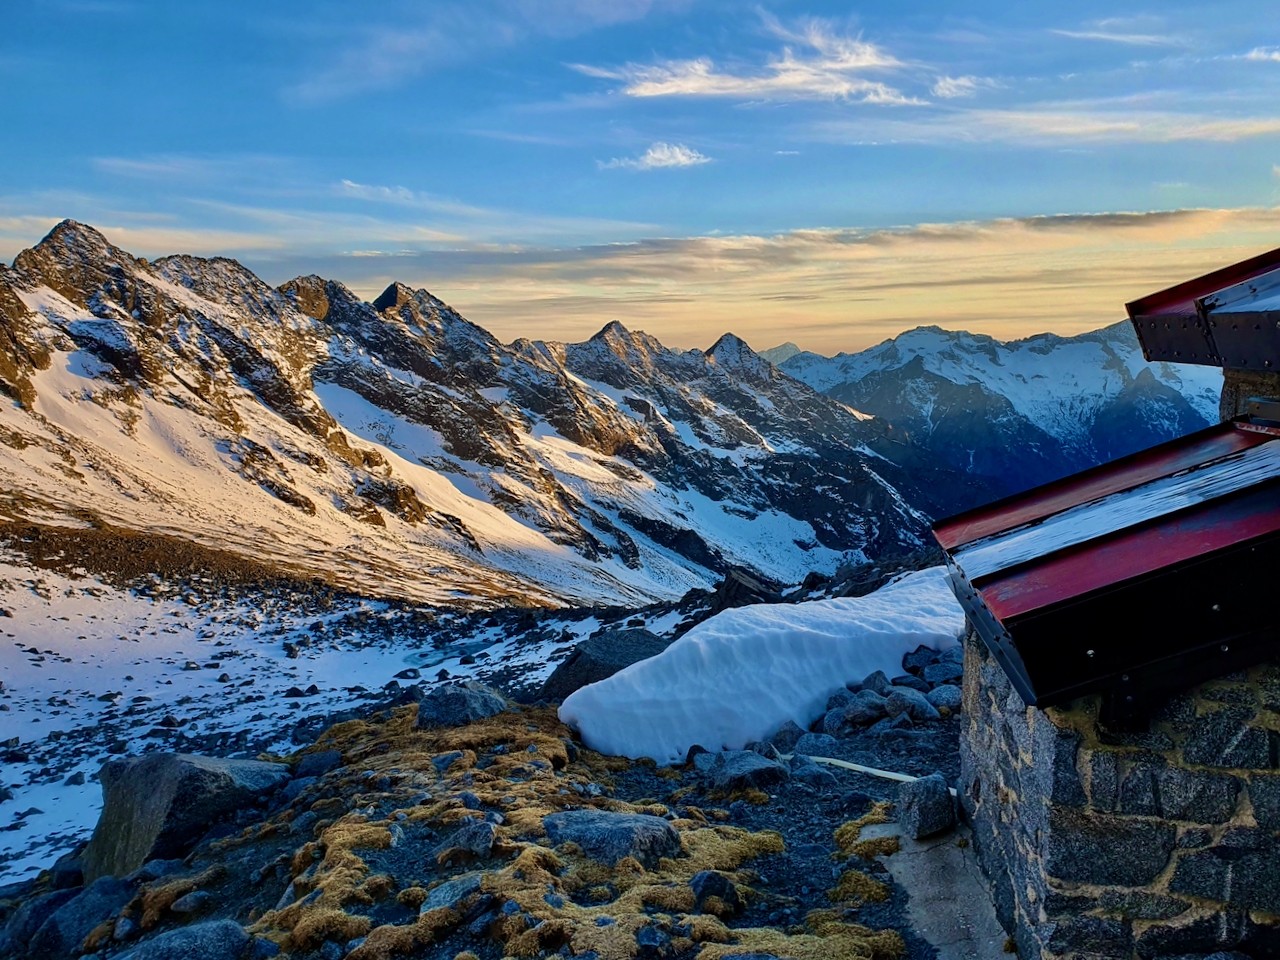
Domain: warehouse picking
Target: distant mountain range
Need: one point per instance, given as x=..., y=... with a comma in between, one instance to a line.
x=395, y=448
x=1012, y=414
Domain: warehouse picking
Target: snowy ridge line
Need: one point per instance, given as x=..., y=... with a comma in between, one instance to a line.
x=1121, y=511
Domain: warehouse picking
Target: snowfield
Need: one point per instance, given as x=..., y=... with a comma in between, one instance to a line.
x=742, y=674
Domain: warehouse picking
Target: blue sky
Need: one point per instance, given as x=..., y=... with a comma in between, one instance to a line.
x=809, y=171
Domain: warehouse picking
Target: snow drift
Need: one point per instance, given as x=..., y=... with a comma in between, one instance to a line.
x=740, y=675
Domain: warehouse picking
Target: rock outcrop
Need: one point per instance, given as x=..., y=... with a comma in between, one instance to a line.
x=155, y=806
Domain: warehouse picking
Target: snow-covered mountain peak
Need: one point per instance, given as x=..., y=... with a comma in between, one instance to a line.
x=731, y=352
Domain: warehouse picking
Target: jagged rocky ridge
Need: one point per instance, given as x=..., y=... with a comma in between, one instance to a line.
x=1013, y=414
x=396, y=448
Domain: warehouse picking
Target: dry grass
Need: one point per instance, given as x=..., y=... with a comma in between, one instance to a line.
x=392, y=940
x=155, y=899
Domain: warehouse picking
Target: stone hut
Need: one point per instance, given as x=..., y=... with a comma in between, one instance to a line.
x=1121, y=757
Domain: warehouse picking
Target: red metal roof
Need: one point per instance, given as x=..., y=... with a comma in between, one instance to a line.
x=1050, y=576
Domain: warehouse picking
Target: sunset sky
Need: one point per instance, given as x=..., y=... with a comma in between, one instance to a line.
x=824, y=173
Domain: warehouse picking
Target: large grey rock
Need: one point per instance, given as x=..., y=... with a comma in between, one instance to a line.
x=863, y=709
x=599, y=657
x=746, y=769
x=943, y=672
x=458, y=704
x=785, y=739
x=925, y=807
x=805, y=770
x=27, y=919
x=948, y=695
x=156, y=806
x=877, y=682
x=65, y=929
x=913, y=703
x=214, y=939
x=476, y=838
x=609, y=837
x=453, y=892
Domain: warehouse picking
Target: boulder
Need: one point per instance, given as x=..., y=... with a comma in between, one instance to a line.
x=912, y=703
x=740, y=589
x=712, y=883
x=220, y=939
x=805, y=770
x=925, y=807
x=458, y=704
x=785, y=739
x=744, y=770
x=864, y=709
x=453, y=892
x=944, y=671
x=65, y=929
x=609, y=837
x=475, y=838
x=318, y=763
x=27, y=919
x=878, y=682
x=947, y=695
x=599, y=657
x=157, y=806
x=907, y=680
x=919, y=658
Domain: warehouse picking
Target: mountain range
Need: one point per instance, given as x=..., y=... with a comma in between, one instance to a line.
x=393, y=447
x=1011, y=415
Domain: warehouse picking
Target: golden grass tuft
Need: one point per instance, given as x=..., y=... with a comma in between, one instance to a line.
x=847, y=835
x=155, y=899
x=876, y=847
x=375, y=888
x=314, y=927
x=99, y=937
x=856, y=888
x=827, y=938
x=391, y=940
x=411, y=897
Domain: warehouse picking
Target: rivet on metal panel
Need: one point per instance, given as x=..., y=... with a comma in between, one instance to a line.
x=1216, y=608
x=1225, y=648
x=1124, y=677
x=1089, y=653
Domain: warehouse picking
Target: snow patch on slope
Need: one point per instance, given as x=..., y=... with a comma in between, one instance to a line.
x=742, y=674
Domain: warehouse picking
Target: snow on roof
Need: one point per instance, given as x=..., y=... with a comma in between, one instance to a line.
x=742, y=674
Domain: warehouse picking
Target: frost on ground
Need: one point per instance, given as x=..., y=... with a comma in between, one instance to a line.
x=90, y=670
x=742, y=674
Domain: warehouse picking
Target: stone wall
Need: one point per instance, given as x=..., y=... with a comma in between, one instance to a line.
x=1160, y=843
x=1239, y=385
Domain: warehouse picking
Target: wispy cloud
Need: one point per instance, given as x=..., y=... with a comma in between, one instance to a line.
x=1264, y=54
x=659, y=156
x=190, y=168
x=818, y=62
x=1051, y=125
x=953, y=88
x=1130, y=31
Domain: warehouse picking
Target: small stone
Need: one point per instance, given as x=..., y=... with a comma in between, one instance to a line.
x=443, y=761
x=787, y=735
x=712, y=883
x=197, y=901
x=925, y=807
x=915, y=661
x=453, y=892
x=863, y=709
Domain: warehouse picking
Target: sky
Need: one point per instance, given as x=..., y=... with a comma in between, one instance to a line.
x=827, y=174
